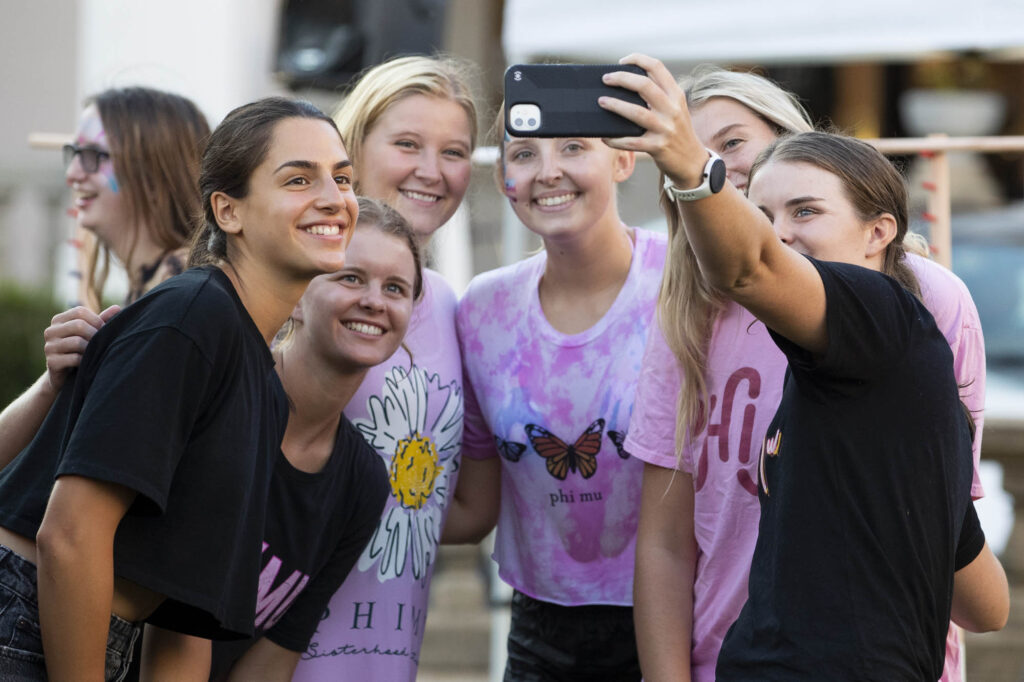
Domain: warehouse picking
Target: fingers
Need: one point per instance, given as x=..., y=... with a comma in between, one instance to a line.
x=657, y=71
x=107, y=314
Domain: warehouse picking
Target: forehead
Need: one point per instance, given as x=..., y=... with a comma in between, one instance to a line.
x=305, y=139
x=371, y=248
x=777, y=182
x=426, y=114
x=719, y=112
x=90, y=127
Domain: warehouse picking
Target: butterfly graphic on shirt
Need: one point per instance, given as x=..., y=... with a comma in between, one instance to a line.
x=618, y=439
x=508, y=449
x=560, y=457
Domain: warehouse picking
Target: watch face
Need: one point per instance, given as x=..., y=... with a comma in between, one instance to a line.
x=716, y=178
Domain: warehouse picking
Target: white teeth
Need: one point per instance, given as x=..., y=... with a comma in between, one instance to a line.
x=556, y=201
x=420, y=196
x=325, y=230
x=362, y=328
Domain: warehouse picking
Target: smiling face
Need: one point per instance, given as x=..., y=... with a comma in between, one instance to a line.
x=562, y=186
x=99, y=205
x=734, y=132
x=300, y=209
x=416, y=157
x=358, y=316
x=811, y=213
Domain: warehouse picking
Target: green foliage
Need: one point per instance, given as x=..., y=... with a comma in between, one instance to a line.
x=23, y=317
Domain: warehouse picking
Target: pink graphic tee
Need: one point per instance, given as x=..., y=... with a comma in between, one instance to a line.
x=410, y=411
x=555, y=408
x=745, y=377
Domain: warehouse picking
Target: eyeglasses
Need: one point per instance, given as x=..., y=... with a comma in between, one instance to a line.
x=90, y=157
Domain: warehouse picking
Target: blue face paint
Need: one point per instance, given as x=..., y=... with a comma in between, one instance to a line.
x=112, y=181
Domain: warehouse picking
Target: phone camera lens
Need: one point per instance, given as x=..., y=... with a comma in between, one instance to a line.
x=532, y=122
x=519, y=123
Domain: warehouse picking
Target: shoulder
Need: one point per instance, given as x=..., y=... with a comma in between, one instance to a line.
x=652, y=246
x=944, y=294
x=498, y=283
x=437, y=290
x=366, y=467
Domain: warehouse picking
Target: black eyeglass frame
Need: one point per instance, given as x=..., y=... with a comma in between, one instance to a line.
x=89, y=157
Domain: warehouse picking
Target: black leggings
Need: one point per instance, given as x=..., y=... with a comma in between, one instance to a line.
x=552, y=643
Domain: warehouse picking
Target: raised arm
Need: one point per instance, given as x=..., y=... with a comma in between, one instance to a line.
x=666, y=560
x=64, y=342
x=737, y=249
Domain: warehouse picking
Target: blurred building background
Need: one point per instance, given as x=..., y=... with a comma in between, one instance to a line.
x=872, y=68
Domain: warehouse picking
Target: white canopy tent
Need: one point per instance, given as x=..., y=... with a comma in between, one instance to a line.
x=761, y=32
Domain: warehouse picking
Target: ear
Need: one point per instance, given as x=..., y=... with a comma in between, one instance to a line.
x=881, y=232
x=625, y=162
x=226, y=211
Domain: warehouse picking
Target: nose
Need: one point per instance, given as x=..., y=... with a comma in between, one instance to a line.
x=428, y=169
x=331, y=197
x=372, y=299
x=74, y=172
x=783, y=231
x=550, y=169
x=737, y=178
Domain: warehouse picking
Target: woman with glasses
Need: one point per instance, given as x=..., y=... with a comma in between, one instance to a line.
x=132, y=169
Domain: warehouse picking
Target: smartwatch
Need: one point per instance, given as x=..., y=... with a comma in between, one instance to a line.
x=712, y=182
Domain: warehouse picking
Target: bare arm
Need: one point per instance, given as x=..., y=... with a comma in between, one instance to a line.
x=981, y=595
x=75, y=554
x=168, y=655
x=64, y=342
x=666, y=557
x=474, y=510
x=736, y=247
x=265, y=661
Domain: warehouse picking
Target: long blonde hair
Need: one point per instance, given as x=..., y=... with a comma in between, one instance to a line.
x=687, y=307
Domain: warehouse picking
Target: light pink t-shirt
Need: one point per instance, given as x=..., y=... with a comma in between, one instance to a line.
x=411, y=413
x=745, y=377
x=556, y=407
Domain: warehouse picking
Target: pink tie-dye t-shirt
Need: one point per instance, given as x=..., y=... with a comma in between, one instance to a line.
x=745, y=377
x=411, y=413
x=556, y=407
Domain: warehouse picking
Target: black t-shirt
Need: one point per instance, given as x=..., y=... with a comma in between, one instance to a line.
x=317, y=526
x=865, y=479
x=176, y=398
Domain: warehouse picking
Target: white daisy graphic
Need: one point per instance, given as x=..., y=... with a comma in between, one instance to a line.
x=417, y=423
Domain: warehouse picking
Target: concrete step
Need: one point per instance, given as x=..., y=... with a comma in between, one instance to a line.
x=457, y=637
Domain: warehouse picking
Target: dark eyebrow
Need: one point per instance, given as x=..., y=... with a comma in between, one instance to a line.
x=802, y=200
x=309, y=165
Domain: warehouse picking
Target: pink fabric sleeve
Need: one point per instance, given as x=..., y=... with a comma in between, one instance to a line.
x=950, y=303
x=652, y=427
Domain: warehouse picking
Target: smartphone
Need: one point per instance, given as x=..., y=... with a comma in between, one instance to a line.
x=560, y=100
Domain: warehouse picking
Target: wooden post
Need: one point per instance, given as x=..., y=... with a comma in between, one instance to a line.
x=939, y=213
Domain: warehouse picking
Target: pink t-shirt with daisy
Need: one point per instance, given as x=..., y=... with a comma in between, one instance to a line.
x=555, y=408
x=745, y=377
x=410, y=410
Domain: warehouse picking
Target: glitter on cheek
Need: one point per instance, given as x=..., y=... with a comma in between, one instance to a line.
x=108, y=173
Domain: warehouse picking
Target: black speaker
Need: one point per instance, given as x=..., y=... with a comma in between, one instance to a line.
x=325, y=43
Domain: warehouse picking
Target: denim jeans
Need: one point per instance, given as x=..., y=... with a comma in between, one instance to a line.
x=21, y=645
x=553, y=643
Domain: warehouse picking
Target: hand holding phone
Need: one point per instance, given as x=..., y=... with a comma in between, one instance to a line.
x=560, y=100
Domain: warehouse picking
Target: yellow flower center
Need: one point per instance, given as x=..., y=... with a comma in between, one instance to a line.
x=413, y=471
